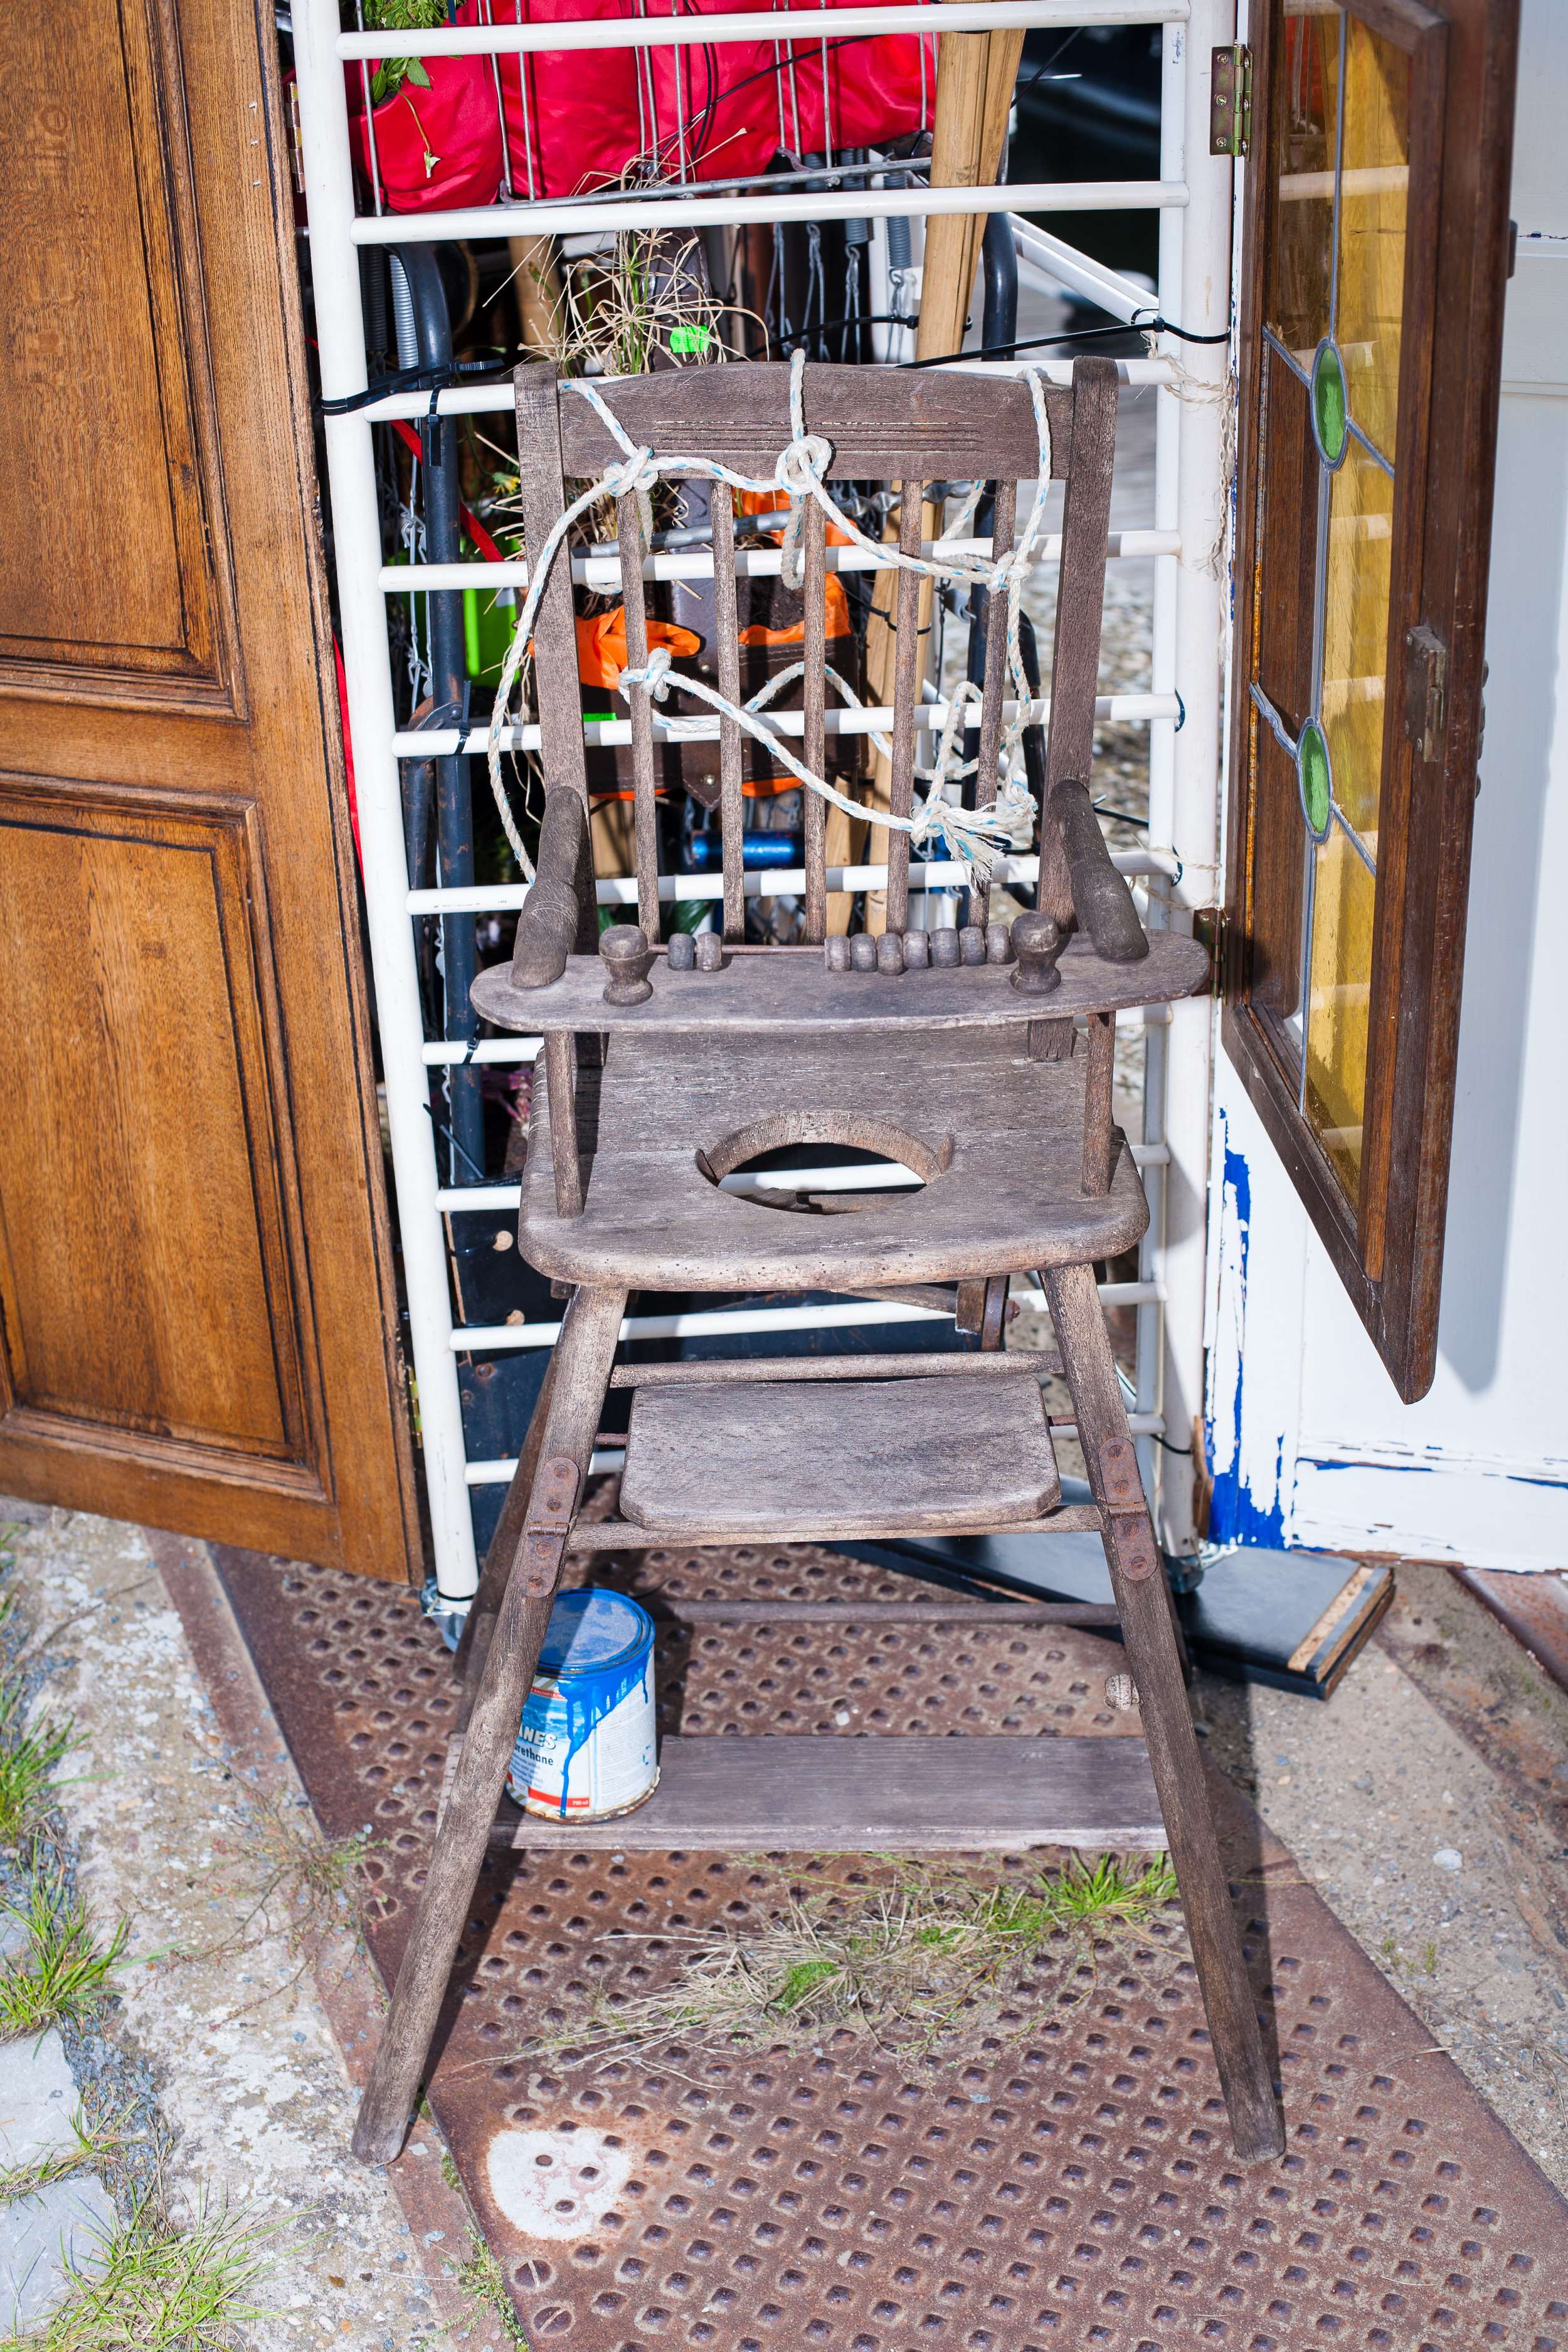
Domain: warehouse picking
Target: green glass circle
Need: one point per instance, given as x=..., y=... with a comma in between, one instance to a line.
x=1331, y=405
x=1313, y=781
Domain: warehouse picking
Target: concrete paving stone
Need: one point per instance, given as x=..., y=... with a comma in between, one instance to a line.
x=12, y=1936
x=69, y=2223
x=37, y=2099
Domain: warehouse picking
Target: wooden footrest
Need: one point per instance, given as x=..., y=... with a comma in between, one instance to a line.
x=802, y=1793
x=915, y=1455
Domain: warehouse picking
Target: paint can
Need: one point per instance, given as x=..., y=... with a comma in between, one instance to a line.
x=585, y=1749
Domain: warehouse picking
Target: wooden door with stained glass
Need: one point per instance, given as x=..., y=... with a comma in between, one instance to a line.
x=1376, y=251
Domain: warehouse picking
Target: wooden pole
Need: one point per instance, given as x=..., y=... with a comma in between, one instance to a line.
x=974, y=81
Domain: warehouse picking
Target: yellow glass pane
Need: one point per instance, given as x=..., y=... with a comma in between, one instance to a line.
x=1301, y=269
x=1356, y=635
x=1341, y=988
x=1373, y=197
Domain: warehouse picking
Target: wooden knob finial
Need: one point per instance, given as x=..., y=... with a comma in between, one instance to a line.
x=628, y=958
x=1037, y=944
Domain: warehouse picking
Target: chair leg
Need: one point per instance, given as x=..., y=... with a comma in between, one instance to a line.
x=1138, y=1581
x=583, y=1356
x=485, y=1606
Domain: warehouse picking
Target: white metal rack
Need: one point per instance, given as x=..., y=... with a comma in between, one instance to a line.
x=1194, y=197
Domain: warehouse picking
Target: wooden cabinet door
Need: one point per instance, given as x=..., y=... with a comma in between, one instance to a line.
x=1376, y=252
x=199, y=1323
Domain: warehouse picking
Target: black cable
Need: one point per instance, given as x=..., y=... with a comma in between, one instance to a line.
x=1155, y=326
x=413, y=379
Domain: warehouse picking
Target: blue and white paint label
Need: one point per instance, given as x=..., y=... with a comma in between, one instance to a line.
x=586, y=1745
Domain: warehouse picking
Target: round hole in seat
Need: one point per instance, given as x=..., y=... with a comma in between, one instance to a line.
x=823, y=1164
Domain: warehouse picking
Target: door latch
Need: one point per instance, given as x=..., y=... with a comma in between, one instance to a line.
x=1425, y=692
x=1230, y=100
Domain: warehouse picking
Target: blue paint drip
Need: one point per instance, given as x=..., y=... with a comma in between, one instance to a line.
x=584, y=1715
x=1234, y=1517
x=598, y=1650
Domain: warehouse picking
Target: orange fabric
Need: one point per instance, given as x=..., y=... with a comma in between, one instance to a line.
x=751, y=502
x=838, y=622
x=602, y=645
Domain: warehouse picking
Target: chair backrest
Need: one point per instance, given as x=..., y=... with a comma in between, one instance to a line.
x=886, y=425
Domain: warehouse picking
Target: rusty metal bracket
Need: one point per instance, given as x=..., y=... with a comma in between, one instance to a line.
x=549, y=1524
x=1119, y=1476
x=1132, y=1542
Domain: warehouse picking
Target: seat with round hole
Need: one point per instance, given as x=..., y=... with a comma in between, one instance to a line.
x=986, y=1075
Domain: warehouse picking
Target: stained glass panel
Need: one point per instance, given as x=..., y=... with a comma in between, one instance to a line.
x=1356, y=635
x=1300, y=269
x=1373, y=197
x=1343, y=894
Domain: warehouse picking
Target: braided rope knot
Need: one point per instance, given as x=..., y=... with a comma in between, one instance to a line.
x=801, y=473
x=653, y=676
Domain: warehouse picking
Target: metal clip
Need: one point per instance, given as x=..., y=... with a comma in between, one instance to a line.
x=1132, y=1542
x=549, y=1525
x=1119, y=1476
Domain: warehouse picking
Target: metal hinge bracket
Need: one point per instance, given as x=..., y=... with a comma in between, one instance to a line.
x=1230, y=100
x=1426, y=692
x=549, y=1525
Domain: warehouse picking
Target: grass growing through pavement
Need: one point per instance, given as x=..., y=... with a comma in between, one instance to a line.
x=293, y=1883
x=150, y=2287
x=911, y=1961
x=63, y=1975
x=482, y=2285
x=29, y=1754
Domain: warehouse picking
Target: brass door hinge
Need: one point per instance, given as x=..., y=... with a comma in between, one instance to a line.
x=1230, y=100
x=1425, y=692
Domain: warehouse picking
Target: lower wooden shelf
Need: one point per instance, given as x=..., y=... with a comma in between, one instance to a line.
x=805, y=1794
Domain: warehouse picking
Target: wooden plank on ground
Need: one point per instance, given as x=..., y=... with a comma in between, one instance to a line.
x=904, y=1794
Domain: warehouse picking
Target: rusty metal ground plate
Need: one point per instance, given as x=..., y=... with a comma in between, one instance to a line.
x=1069, y=2183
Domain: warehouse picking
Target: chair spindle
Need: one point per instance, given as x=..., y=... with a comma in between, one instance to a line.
x=997, y=682
x=645, y=813
x=906, y=698
x=813, y=751
x=732, y=800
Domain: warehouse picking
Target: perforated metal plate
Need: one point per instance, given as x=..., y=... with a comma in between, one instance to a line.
x=1070, y=2185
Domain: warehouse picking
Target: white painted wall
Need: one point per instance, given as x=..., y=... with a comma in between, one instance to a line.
x=1308, y=1441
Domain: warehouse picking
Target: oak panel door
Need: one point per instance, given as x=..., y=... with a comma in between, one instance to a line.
x=199, y=1321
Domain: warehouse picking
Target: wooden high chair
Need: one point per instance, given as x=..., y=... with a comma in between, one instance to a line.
x=659, y=1081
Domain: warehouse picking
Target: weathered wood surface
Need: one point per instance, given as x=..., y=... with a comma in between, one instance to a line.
x=1099, y=1102
x=584, y=1356
x=902, y=1795
x=767, y=992
x=914, y=1453
x=625, y=1535
x=1147, y=1628
x=829, y=1368
x=1081, y=590
x=883, y=425
x=1005, y=1198
x=1000, y=1615
x=539, y=489
x=731, y=797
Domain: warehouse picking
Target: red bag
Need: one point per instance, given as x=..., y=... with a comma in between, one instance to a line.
x=437, y=148
x=581, y=126
x=734, y=108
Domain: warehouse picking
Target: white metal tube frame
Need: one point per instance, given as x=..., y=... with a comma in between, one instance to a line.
x=1195, y=211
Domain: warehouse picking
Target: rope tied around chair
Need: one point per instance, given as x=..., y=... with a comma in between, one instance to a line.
x=800, y=473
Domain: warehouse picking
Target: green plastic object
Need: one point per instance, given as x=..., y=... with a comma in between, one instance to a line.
x=1331, y=405
x=690, y=341
x=1313, y=780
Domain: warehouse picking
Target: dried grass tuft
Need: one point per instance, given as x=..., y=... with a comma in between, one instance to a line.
x=920, y=1963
